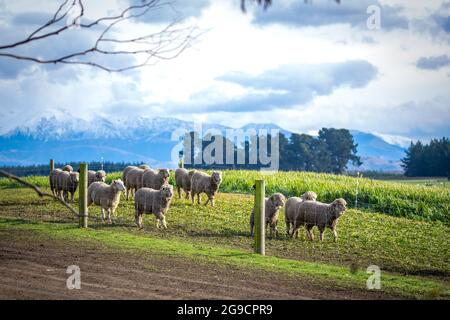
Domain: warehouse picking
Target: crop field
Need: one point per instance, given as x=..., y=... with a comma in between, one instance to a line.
x=409, y=241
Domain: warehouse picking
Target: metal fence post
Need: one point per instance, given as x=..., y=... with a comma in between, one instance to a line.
x=260, y=217
x=52, y=164
x=82, y=195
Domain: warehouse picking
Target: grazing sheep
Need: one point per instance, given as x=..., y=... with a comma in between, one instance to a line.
x=124, y=176
x=322, y=215
x=96, y=176
x=291, y=208
x=155, y=179
x=106, y=196
x=134, y=180
x=273, y=204
x=67, y=168
x=67, y=182
x=128, y=168
x=183, y=181
x=201, y=182
x=155, y=202
x=53, y=177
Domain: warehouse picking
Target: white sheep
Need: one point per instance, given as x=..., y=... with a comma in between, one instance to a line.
x=67, y=182
x=134, y=180
x=150, y=201
x=96, y=176
x=291, y=208
x=67, y=168
x=53, y=178
x=183, y=181
x=155, y=178
x=106, y=196
x=204, y=183
x=322, y=215
x=273, y=204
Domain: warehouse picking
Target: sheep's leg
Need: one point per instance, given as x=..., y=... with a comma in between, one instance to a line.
x=103, y=215
x=310, y=234
x=126, y=193
x=252, y=224
x=179, y=192
x=288, y=228
x=198, y=198
x=72, y=196
x=188, y=193
x=275, y=230
x=208, y=200
x=322, y=230
x=137, y=219
x=193, y=197
x=335, y=234
x=294, y=233
x=109, y=215
x=162, y=221
x=212, y=201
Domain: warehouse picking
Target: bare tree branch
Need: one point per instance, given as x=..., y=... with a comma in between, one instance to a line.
x=166, y=44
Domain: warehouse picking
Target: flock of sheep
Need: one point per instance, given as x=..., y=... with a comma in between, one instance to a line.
x=152, y=195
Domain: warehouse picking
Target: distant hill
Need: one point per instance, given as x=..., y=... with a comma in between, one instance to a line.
x=141, y=139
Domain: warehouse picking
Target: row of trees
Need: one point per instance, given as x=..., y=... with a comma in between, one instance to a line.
x=431, y=159
x=330, y=152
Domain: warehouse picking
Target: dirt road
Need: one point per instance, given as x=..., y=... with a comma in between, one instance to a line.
x=35, y=268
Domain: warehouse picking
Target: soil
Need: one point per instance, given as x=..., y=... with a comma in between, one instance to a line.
x=34, y=267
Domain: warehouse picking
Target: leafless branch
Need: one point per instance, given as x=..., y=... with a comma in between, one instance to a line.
x=166, y=44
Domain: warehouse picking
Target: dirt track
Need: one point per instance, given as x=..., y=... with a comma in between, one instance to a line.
x=35, y=268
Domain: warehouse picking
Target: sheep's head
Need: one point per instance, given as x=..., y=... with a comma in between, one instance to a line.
x=67, y=168
x=166, y=191
x=309, y=195
x=118, y=185
x=216, y=177
x=164, y=174
x=74, y=177
x=100, y=175
x=339, y=205
x=278, y=200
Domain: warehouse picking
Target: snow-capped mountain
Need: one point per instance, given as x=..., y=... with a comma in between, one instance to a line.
x=66, y=138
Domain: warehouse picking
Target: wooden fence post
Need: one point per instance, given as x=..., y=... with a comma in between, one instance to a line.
x=82, y=195
x=52, y=164
x=260, y=217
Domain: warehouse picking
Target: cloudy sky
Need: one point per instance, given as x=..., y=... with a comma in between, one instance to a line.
x=301, y=66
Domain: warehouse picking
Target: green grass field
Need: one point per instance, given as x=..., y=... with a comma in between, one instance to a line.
x=404, y=246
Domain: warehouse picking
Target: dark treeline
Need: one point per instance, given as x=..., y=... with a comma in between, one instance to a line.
x=43, y=169
x=430, y=160
x=329, y=152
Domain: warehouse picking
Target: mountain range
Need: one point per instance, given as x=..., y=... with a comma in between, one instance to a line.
x=142, y=139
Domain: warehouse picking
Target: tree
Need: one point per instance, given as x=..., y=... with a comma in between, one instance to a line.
x=166, y=44
x=431, y=159
x=341, y=146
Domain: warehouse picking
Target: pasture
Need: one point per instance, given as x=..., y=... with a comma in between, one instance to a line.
x=408, y=240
